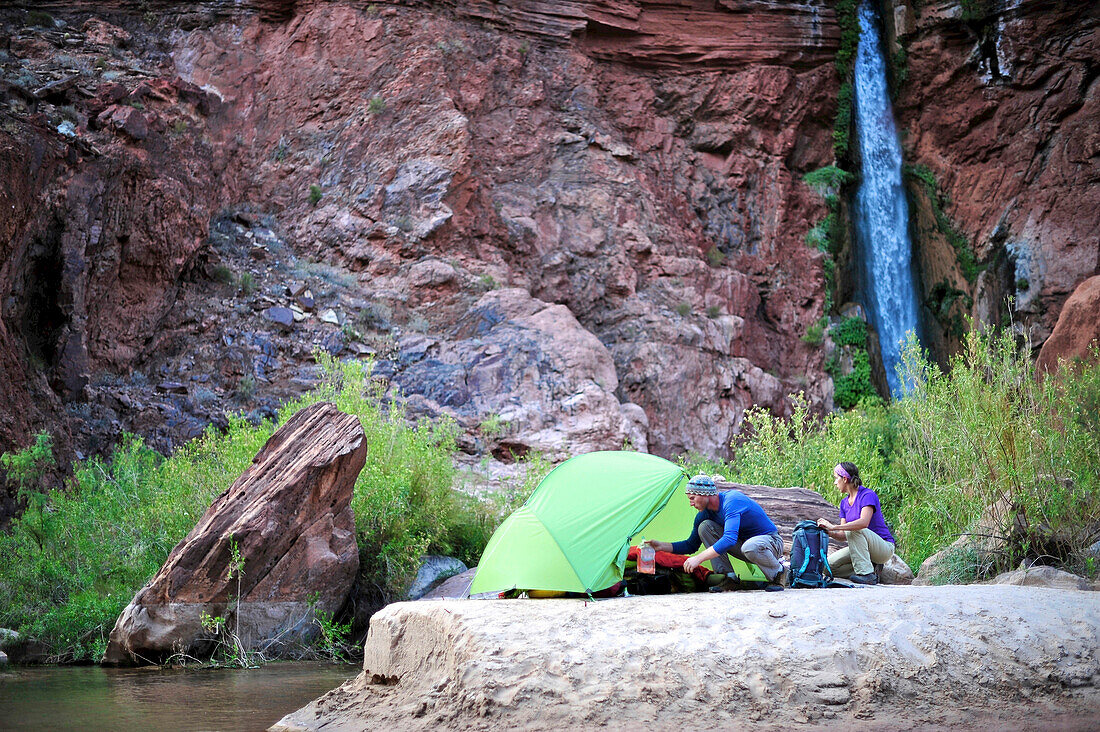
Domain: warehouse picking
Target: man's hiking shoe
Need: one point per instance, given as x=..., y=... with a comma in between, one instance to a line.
x=784, y=577
x=777, y=583
x=864, y=579
x=728, y=584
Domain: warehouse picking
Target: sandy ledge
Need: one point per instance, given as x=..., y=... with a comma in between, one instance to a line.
x=995, y=657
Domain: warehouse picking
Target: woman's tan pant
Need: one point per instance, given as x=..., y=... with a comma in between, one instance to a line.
x=865, y=549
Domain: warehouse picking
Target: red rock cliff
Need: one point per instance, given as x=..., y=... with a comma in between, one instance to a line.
x=1002, y=107
x=638, y=163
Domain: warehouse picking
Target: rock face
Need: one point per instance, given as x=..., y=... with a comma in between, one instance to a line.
x=549, y=383
x=633, y=167
x=290, y=515
x=1000, y=106
x=875, y=658
x=1077, y=329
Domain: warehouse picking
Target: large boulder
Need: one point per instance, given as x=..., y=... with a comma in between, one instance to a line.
x=434, y=570
x=786, y=507
x=896, y=572
x=1077, y=328
x=1041, y=576
x=290, y=517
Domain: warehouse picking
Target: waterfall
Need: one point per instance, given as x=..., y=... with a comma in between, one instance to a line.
x=881, y=214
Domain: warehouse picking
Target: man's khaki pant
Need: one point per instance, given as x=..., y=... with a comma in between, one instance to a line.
x=865, y=549
x=765, y=550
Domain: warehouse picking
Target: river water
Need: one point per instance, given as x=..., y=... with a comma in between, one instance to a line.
x=95, y=698
x=881, y=213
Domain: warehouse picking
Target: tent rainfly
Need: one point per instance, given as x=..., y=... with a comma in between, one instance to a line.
x=573, y=533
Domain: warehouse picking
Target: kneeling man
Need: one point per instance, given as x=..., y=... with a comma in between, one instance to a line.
x=733, y=524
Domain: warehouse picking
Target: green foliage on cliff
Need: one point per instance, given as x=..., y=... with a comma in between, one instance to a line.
x=842, y=125
x=968, y=263
x=76, y=557
x=853, y=387
x=985, y=430
x=941, y=302
x=850, y=332
x=848, y=19
x=828, y=181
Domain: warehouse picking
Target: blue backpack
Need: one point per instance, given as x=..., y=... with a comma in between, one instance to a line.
x=810, y=556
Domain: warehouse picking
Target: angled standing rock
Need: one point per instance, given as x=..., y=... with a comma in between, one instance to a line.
x=290, y=515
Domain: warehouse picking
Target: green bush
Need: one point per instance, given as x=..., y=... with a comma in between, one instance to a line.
x=315, y=194
x=850, y=332
x=76, y=557
x=985, y=430
x=828, y=180
x=376, y=105
x=247, y=283
x=855, y=386
x=989, y=429
x=815, y=333
x=39, y=18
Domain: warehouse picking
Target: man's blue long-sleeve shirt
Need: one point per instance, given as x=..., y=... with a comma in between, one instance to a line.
x=741, y=517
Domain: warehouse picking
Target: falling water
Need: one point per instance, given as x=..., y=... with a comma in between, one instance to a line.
x=881, y=214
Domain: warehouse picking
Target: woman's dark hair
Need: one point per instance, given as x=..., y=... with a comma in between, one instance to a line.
x=853, y=471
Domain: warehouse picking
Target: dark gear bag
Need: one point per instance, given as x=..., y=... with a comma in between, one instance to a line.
x=809, y=556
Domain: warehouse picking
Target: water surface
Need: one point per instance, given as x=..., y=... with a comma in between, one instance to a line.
x=94, y=698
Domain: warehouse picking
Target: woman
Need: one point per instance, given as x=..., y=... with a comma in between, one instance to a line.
x=862, y=526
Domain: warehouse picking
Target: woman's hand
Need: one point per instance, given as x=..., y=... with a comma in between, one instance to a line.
x=691, y=563
x=827, y=525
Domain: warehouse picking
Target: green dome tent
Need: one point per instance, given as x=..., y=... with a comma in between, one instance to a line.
x=573, y=533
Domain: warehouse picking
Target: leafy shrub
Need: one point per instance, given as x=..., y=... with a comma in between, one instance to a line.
x=713, y=311
x=815, y=333
x=987, y=429
x=223, y=275
x=315, y=194
x=76, y=557
x=974, y=10
x=376, y=105
x=715, y=257
x=828, y=180
x=247, y=283
x=683, y=309
x=855, y=386
x=850, y=332
x=40, y=18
